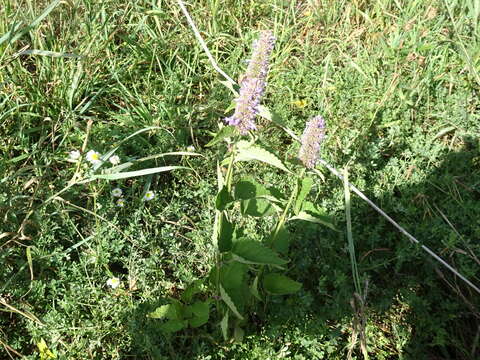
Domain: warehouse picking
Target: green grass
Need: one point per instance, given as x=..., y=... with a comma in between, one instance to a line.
x=398, y=84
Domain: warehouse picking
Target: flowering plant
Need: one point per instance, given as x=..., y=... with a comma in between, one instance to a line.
x=247, y=270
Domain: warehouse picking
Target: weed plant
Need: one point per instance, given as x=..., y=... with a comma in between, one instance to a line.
x=398, y=84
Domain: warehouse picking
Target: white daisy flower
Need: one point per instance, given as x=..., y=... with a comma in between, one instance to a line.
x=74, y=155
x=113, y=282
x=149, y=195
x=93, y=157
x=115, y=159
x=117, y=192
x=121, y=202
x=191, y=148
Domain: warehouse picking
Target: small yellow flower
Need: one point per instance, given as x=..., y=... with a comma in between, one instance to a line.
x=149, y=195
x=300, y=103
x=45, y=352
x=121, y=202
x=113, y=282
x=93, y=157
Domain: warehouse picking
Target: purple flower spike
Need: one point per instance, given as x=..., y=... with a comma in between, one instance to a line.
x=253, y=85
x=311, y=139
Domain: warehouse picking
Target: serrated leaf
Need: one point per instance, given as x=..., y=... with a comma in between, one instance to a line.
x=226, y=298
x=314, y=219
x=254, y=252
x=201, y=308
x=256, y=198
x=232, y=275
x=225, y=132
x=256, y=207
x=224, y=325
x=255, y=152
x=310, y=212
x=129, y=174
x=173, y=325
x=305, y=186
x=223, y=198
x=281, y=242
x=278, y=284
x=201, y=312
x=226, y=234
x=248, y=188
x=169, y=311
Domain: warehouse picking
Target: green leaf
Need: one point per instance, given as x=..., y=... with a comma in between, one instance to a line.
x=224, y=325
x=223, y=198
x=226, y=298
x=254, y=252
x=278, y=284
x=225, y=132
x=194, y=288
x=255, y=198
x=314, y=219
x=256, y=207
x=248, y=152
x=281, y=242
x=312, y=213
x=201, y=308
x=232, y=275
x=129, y=174
x=248, y=188
x=226, y=234
x=305, y=186
x=170, y=311
x=173, y=325
x=201, y=312
x=198, y=321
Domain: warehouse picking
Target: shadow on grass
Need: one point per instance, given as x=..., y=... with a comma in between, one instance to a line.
x=416, y=309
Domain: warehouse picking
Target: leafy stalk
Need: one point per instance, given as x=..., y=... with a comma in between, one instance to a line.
x=283, y=217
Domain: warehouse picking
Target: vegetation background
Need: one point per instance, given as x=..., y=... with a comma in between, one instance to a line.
x=398, y=83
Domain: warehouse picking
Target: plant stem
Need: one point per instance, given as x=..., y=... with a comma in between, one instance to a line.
x=283, y=217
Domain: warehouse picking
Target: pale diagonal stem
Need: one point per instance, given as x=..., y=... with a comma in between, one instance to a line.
x=324, y=163
x=401, y=229
x=202, y=42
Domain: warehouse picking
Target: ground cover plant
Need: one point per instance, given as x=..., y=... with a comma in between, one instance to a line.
x=92, y=260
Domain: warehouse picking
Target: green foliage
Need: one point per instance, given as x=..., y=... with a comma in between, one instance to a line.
x=278, y=284
x=253, y=252
x=248, y=151
x=397, y=83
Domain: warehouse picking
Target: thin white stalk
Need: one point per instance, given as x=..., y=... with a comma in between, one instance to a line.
x=324, y=163
x=401, y=229
x=202, y=42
